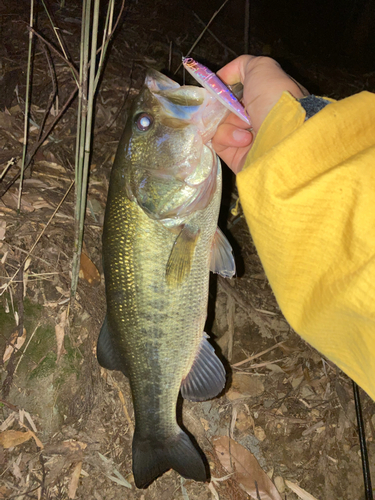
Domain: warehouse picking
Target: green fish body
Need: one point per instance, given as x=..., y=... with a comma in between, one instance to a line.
x=160, y=240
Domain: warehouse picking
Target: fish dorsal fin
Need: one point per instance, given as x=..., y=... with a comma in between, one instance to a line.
x=180, y=259
x=222, y=261
x=206, y=378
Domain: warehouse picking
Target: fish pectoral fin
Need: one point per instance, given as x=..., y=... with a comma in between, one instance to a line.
x=222, y=260
x=106, y=353
x=152, y=457
x=180, y=259
x=207, y=376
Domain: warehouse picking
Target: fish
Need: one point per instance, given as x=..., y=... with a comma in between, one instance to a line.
x=160, y=241
x=211, y=82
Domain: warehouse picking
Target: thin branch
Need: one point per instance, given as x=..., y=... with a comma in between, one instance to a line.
x=215, y=37
x=58, y=53
x=53, y=93
x=203, y=32
x=40, y=142
x=38, y=238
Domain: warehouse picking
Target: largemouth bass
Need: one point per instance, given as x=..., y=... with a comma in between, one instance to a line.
x=160, y=240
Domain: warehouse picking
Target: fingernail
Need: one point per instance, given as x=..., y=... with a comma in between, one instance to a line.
x=240, y=135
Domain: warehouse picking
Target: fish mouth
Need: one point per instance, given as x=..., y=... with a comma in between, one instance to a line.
x=157, y=82
x=180, y=102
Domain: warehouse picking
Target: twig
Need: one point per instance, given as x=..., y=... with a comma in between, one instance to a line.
x=27, y=345
x=20, y=289
x=259, y=354
x=40, y=142
x=257, y=490
x=58, y=53
x=244, y=305
x=123, y=402
x=60, y=40
x=38, y=238
x=9, y=405
x=231, y=309
x=215, y=37
x=362, y=443
x=203, y=32
x=260, y=365
x=52, y=94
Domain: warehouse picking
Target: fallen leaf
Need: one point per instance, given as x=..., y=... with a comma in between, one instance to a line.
x=205, y=423
x=88, y=271
x=299, y=491
x=10, y=200
x=70, y=447
x=244, y=421
x=41, y=204
x=279, y=483
x=3, y=226
x=10, y=438
x=34, y=436
x=60, y=333
x=247, y=471
x=15, y=342
x=73, y=485
x=259, y=433
x=4, y=492
x=244, y=386
x=8, y=422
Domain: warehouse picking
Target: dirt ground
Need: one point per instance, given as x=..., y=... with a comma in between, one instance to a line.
x=287, y=405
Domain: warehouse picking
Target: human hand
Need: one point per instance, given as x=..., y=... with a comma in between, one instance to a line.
x=264, y=81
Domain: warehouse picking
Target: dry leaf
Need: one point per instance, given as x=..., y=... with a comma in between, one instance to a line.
x=15, y=342
x=244, y=421
x=299, y=491
x=3, y=226
x=279, y=483
x=11, y=200
x=60, y=333
x=205, y=423
x=33, y=435
x=8, y=422
x=235, y=458
x=4, y=492
x=73, y=485
x=41, y=204
x=259, y=433
x=88, y=271
x=244, y=386
x=9, y=439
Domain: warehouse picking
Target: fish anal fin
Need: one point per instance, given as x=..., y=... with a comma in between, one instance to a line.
x=206, y=378
x=152, y=457
x=222, y=260
x=108, y=357
x=181, y=256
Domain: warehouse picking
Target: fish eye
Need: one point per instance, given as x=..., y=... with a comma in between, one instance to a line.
x=144, y=121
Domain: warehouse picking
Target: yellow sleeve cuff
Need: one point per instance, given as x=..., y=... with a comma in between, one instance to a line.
x=308, y=194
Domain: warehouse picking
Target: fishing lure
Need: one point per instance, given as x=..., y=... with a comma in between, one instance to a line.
x=211, y=82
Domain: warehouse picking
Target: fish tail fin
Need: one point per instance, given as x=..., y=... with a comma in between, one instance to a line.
x=152, y=457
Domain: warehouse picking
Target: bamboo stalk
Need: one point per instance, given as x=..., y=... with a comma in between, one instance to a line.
x=89, y=77
x=27, y=99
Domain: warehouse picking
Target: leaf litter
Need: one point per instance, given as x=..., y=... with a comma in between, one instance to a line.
x=287, y=413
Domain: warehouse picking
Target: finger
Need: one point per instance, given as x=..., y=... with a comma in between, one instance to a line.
x=234, y=71
x=228, y=135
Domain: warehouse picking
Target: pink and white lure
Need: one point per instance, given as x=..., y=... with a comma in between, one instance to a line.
x=211, y=82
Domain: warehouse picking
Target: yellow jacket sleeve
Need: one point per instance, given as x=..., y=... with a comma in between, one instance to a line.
x=308, y=194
